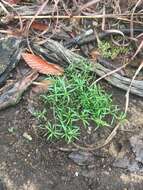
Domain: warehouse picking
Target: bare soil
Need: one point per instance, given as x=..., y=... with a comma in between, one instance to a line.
x=39, y=165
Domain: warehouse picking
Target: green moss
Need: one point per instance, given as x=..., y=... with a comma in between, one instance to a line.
x=110, y=51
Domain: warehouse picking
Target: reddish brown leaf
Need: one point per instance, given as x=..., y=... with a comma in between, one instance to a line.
x=39, y=26
x=12, y=1
x=42, y=66
x=94, y=54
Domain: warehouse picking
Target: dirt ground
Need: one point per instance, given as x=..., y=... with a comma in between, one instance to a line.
x=37, y=165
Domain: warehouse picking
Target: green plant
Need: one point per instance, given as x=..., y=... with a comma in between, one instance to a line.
x=73, y=103
x=12, y=130
x=108, y=50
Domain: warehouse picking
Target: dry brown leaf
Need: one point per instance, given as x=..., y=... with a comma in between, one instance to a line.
x=42, y=66
x=39, y=26
x=12, y=1
x=94, y=54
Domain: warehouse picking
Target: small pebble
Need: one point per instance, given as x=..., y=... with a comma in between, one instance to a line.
x=76, y=174
x=27, y=136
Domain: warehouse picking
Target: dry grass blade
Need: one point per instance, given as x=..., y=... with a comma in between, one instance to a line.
x=132, y=16
x=114, y=31
x=32, y=20
x=4, y=9
x=128, y=20
x=89, y=4
x=42, y=66
x=104, y=18
x=110, y=73
x=128, y=91
x=95, y=16
x=18, y=15
x=38, y=12
x=96, y=147
x=138, y=50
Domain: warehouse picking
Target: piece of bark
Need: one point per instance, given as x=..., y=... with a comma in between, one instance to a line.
x=82, y=158
x=29, y=10
x=89, y=36
x=11, y=94
x=10, y=51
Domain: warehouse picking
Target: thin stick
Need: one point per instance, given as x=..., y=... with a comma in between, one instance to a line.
x=106, y=142
x=88, y=4
x=104, y=18
x=128, y=91
x=110, y=73
x=76, y=16
x=128, y=20
x=132, y=16
x=18, y=15
x=4, y=9
x=32, y=20
x=138, y=50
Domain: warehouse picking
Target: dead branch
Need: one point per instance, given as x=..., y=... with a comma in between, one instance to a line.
x=29, y=10
x=56, y=53
x=95, y=16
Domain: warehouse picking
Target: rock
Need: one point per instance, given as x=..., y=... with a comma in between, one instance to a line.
x=131, y=158
x=89, y=173
x=82, y=158
x=137, y=146
x=27, y=136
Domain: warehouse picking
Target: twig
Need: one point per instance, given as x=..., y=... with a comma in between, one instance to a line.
x=32, y=20
x=128, y=20
x=88, y=4
x=110, y=73
x=92, y=146
x=78, y=16
x=138, y=50
x=104, y=18
x=95, y=147
x=64, y=149
x=18, y=15
x=4, y=9
x=132, y=16
x=128, y=91
x=38, y=12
